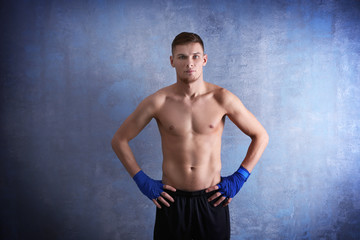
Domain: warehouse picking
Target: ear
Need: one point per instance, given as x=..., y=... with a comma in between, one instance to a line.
x=205, y=59
x=172, y=61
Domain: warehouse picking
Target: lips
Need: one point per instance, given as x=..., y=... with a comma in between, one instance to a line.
x=190, y=71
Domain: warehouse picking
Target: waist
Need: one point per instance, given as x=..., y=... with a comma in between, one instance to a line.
x=181, y=193
x=191, y=180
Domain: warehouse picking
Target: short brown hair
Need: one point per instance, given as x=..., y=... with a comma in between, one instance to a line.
x=186, y=37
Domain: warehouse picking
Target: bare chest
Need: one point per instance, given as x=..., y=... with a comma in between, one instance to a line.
x=204, y=116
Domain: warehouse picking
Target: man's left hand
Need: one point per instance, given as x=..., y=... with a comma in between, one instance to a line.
x=229, y=186
x=216, y=195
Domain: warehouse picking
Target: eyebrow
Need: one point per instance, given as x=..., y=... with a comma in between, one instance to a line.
x=182, y=54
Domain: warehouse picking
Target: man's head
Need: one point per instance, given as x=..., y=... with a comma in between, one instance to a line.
x=186, y=38
x=188, y=57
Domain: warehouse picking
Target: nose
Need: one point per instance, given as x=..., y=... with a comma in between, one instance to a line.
x=190, y=63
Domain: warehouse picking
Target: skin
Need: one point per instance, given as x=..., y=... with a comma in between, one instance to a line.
x=190, y=115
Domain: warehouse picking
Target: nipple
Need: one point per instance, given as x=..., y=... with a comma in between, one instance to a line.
x=211, y=126
x=171, y=127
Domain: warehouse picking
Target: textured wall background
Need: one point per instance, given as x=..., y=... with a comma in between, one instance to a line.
x=71, y=71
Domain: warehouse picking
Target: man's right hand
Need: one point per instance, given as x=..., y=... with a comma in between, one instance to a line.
x=153, y=189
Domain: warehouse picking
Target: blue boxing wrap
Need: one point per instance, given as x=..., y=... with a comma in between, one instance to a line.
x=231, y=185
x=149, y=187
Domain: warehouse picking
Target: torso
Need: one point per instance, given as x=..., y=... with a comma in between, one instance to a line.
x=191, y=132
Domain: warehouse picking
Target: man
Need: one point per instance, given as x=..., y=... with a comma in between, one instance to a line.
x=192, y=198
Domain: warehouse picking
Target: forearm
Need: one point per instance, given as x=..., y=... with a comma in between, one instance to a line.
x=126, y=156
x=256, y=149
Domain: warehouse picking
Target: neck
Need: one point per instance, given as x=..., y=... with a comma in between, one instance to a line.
x=192, y=89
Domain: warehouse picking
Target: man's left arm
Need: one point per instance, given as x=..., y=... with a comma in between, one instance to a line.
x=248, y=124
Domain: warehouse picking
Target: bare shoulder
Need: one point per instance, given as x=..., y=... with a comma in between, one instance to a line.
x=223, y=96
x=156, y=100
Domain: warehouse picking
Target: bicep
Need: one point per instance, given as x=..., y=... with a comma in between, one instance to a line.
x=136, y=121
x=242, y=117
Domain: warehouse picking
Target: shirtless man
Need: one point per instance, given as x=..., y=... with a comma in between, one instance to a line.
x=192, y=198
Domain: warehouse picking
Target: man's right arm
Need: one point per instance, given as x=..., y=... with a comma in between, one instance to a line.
x=130, y=128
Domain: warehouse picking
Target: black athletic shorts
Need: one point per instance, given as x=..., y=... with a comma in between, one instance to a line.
x=191, y=216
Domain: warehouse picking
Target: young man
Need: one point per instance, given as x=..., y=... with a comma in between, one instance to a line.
x=192, y=198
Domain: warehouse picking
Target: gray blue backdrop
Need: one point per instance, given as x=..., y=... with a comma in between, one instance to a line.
x=72, y=71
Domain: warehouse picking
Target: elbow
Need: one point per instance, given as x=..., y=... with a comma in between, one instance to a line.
x=117, y=140
x=262, y=137
x=265, y=138
x=114, y=142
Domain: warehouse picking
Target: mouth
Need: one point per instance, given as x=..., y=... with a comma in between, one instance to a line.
x=190, y=71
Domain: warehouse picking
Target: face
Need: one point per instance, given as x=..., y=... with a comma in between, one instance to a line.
x=188, y=60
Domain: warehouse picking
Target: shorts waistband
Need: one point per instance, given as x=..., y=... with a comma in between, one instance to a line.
x=189, y=194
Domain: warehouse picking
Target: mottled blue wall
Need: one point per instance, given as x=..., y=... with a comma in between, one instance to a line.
x=71, y=71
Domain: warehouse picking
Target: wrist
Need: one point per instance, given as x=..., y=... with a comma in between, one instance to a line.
x=140, y=177
x=149, y=187
x=243, y=172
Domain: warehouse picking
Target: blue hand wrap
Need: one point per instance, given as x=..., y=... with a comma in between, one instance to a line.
x=231, y=185
x=149, y=187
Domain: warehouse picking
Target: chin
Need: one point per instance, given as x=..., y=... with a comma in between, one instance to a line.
x=189, y=79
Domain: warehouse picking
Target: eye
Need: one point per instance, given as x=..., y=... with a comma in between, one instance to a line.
x=196, y=56
x=182, y=57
